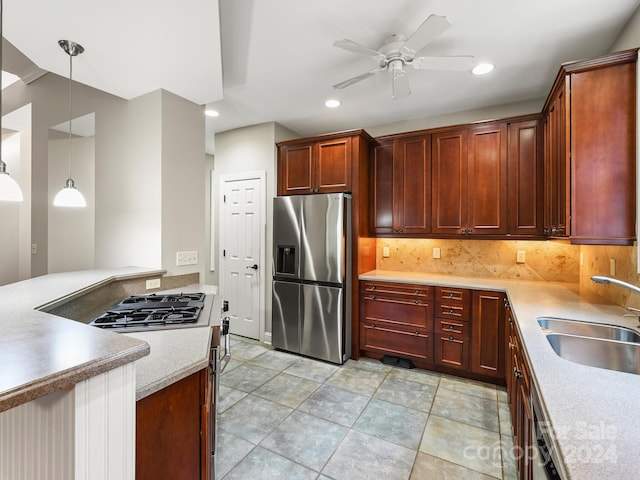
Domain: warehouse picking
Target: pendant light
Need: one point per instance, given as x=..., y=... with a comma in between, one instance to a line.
x=70, y=196
x=9, y=188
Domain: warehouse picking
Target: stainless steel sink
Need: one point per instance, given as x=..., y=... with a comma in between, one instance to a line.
x=589, y=329
x=594, y=352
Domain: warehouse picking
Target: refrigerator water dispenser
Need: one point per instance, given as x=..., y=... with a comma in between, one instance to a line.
x=286, y=260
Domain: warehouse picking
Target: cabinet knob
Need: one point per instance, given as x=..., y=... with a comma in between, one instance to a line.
x=451, y=327
x=451, y=311
x=417, y=302
x=417, y=334
x=511, y=345
x=373, y=287
x=450, y=294
x=373, y=297
x=451, y=339
x=517, y=373
x=373, y=325
x=417, y=292
x=469, y=231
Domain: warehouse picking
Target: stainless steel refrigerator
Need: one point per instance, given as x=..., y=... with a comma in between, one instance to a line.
x=311, y=307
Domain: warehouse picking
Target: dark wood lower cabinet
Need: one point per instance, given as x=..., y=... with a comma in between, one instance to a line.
x=448, y=329
x=171, y=431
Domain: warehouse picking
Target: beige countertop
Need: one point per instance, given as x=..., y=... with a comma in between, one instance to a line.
x=41, y=352
x=176, y=353
x=592, y=410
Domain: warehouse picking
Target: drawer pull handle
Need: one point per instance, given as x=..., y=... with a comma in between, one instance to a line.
x=373, y=297
x=373, y=287
x=417, y=292
x=517, y=373
x=451, y=339
x=417, y=334
x=451, y=327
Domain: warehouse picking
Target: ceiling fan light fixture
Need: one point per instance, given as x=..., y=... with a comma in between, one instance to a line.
x=332, y=103
x=482, y=68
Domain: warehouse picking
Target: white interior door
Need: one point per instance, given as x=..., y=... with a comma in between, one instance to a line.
x=242, y=251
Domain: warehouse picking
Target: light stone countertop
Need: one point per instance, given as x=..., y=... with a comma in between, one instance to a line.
x=593, y=410
x=41, y=352
x=176, y=353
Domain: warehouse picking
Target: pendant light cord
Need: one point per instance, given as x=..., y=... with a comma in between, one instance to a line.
x=70, y=109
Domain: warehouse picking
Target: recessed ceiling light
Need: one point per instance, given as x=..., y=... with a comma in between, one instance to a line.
x=212, y=113
x=482, y=68
x=332, y=103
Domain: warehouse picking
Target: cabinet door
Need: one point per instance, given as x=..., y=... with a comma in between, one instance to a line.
x=333, y=166
x=487, y=180
x=525, y=178
x=603, y=158
x=295, y=169
x=451, y=351
x=412, y=181
x=382, y=177
x=556, y=174
x=449, y=182
x=487, y=334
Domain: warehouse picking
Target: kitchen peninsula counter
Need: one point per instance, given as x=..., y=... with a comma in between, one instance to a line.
x=591, y=409
x=41, y=352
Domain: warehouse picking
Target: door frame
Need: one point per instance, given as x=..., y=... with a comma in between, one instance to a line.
x=261, y=176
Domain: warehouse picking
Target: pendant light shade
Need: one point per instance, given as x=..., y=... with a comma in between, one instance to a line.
x=9, y=188
x=70, y=196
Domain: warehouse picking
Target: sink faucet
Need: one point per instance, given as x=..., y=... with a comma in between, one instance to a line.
x=628, y=286
x=607, y=280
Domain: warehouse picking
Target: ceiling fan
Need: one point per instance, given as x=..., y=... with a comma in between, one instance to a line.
x=396, y=52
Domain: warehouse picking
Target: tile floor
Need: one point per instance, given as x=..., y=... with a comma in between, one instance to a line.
x=282, y=416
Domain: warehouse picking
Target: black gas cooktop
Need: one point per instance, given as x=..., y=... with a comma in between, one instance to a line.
x=140, y=312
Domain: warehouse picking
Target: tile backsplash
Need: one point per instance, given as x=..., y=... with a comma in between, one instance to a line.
x=544, y=261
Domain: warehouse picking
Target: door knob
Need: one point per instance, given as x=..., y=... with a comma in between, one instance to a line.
x=254, y=266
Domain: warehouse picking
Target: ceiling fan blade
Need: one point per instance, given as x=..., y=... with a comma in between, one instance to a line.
x=400, y=85
x=358, y=48
x=459, y=63
x=357, y=78
x=430, y=29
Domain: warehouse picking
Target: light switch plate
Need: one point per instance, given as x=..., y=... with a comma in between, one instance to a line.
x=385, y=252
x=152, y=283
x=612, y=267
x=520, y=256
x=186, y=258
x=436, y=252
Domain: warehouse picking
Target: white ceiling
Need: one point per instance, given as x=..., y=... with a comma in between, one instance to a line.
x=276, y=59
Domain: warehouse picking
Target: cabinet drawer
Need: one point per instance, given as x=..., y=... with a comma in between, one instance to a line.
x=452, y=311
x=451, y=351
x=452, y=295
x=403, y=343
x=452, y=327
x=397, y=289
x=397, y=310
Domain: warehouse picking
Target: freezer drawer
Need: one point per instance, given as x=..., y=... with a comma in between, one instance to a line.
x=323, y=326
x=285, y=318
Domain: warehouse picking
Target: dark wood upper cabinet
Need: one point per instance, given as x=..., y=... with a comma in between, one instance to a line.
x=525, y=184
x=401, y=181
x=487, y=180
x=449, y=182
x=590, y=147
x=470, y=181
x=315, y=165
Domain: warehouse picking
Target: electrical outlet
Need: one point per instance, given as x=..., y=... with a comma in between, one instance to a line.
x=153, y=283
x=612, y=267
x=186, y=258
x=520, y=256
x=436, y=252
x=34, y=249
x=385, y=252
